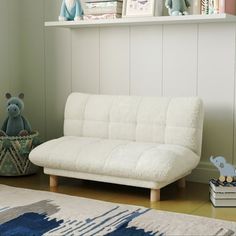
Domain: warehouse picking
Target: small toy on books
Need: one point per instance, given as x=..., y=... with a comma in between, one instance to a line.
x=222, y=194
x=227, y=171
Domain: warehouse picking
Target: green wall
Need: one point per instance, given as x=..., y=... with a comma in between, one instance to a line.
x=42, y=66
x=23, y=61
x=9, y=51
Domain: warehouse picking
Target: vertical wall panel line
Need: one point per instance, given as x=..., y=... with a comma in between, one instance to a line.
x=162, y=61
x=99, y=60
x=129, y=60
x=10, y=82
x=197, y=59
x=71, y=69
x=44, y=72
x=233, y=151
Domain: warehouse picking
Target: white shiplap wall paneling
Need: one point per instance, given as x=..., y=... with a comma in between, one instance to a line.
x=216, y=61
x=146, y=60
x=179, y=60
x=114, y=60
x=85, y=60
x=32, y=66
x=4, y=59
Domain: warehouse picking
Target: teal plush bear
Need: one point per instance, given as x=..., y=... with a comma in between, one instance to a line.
x=15, y=124
x=71, y=10
x=177, y=7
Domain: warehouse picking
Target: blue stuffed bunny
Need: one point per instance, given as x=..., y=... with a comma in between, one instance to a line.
x=71, y=10
x=15, y=124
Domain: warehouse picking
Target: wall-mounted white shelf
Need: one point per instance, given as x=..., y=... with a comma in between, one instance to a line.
x=199, y=19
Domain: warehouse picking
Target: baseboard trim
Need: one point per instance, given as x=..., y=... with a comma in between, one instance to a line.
x=203, y=173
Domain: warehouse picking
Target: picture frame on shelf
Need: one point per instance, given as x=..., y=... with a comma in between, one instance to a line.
x=138, y=8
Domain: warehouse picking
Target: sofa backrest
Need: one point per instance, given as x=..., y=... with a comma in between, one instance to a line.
x=143, y=119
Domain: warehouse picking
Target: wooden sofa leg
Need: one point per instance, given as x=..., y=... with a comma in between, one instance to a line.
x=155, y=195
x=182, y=183
x=53, y=181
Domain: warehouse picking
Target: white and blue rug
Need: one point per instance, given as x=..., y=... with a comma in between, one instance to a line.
x=28, y=212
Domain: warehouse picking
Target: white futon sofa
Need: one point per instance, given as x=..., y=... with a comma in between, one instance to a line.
x=147, y=142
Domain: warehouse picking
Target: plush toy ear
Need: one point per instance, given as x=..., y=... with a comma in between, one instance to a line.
x=8, y=95
x=21, y=96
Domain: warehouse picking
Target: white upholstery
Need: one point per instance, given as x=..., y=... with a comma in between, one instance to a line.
x=143, y=119
x=142, y=161
x=148, y=139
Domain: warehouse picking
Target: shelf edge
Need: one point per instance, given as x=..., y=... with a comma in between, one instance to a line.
x=200, y=19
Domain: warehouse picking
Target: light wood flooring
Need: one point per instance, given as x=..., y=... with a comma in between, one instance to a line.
x=193, y=199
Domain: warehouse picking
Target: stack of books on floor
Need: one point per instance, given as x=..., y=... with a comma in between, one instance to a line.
x=102, y=9
x=222, y=194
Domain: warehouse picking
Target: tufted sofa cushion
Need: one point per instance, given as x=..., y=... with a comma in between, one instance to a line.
x=174, y=121
x=118, y=158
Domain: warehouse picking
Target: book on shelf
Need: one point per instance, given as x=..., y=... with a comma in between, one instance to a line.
x=114, y=4
x=223, y=202
x=209, y=7
x=98, y=11
x=204, y=7
x=102, y=16
x=227, y=6
x=96, y=1
x=195, y=8
x=102, y=9
x=159, y=8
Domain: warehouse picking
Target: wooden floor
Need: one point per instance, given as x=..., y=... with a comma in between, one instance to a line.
x=192, y=200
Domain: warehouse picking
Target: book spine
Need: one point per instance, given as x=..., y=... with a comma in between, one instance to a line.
x=222, y=195
x=196, y=7
x=223, y=202
x=103, y=4
x=221, y=6
x=230, y=7
x=97, y=1
x=97, y=11
x=227, y=6
x=216, y=7
x=219, y=187
x=159, y=8
x=211, y=7
x=102, y=16
x=204, y=7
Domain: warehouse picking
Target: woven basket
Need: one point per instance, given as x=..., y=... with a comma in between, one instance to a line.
x=14, y=152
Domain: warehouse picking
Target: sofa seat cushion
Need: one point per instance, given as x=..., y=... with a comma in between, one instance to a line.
x=120, y=158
